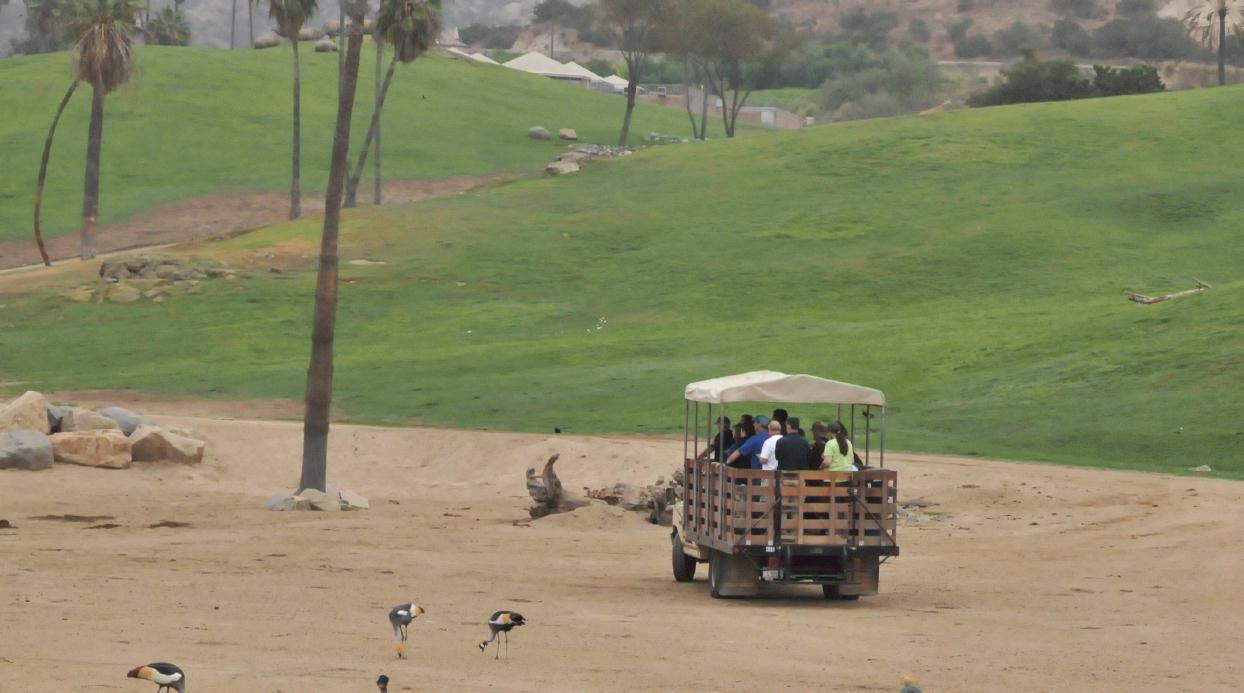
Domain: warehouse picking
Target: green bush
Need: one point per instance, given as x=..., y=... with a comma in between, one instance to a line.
x=1156, y=38
x=974, y=46
x=893, y=83
x=1084, y=9
x=957, y=31
x=1016, y=39
x=871, y=29
x=1068, y=35
x=1137, y=79
x=1032, y=80
x=918, y=30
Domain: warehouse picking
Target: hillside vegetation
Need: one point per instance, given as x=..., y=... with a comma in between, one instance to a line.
x=199, y=121
x=971, y=264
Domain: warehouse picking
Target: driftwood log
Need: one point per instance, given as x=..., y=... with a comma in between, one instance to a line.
x=1148, y=300
x=547, y=493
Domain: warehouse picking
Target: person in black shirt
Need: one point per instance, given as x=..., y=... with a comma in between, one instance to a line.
x=781, y=416
x=820, y=436
x=793, y=452
x=721, y=443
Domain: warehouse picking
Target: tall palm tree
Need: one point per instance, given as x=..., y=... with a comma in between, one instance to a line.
x=169, y=28
x=104, y=59
x=411, y=27
x=1210, y=22
x=290, y=15
x=43, y=171
x=320, y=372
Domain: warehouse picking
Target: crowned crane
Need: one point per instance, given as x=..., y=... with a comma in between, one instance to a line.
x=909, y=685
x=166, y=677
x=502, y=622
x=400, y=617
x=383, y=683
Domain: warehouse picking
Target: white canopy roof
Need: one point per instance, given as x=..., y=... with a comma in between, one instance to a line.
x=480, y=57
x=617, y=81
x=772, y=386
x=583, y=72
x=541, y=64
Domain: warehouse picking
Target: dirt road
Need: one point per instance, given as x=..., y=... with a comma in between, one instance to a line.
x=1015, y=578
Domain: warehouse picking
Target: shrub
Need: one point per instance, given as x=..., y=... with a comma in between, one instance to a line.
x=1152, y=37
x=891, y=84
x=1137, y=79
x=494, y=37
x=957, y=31
x=871, y=29
x=1084, y=9
x=1135, y=8
x=1015, y=39
x=918, y=30
x=965, y=6
x=1034, y=80
x=974, y=46
x=600, y=66
x=1068, y=35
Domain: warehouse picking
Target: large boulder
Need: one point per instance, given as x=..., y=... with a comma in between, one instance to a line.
x=329, y=501
x=538, y=133
x=25, y=450
x=268, y=40
x=107, y=448
x=26, y=413
x=77, y=419
x=55, y=414
x=326, y=45
x=561, y=168
x=126, y=419
x=154, y=444
x=309, y=33
x=568, y=134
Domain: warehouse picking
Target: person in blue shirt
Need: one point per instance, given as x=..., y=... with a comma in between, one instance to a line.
x=745, y=456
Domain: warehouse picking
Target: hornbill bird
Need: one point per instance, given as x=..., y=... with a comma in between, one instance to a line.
x=400, y=617
x=166, y=677
x=383, y=683
x=501, y=622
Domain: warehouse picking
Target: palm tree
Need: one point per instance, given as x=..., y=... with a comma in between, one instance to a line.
x=43, y=171
x=104, y=60
x=320, y=372
x=1224, y=15
x=290, y=15
x=411, y=27
x=169, y=28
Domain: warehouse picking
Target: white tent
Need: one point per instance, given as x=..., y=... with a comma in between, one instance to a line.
x=583, y=72
x=481, y=58
x=619, y=82
x=539, y=64
x=772, y=386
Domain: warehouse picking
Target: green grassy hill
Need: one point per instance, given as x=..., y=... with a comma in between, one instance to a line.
x=197, y=121
x=971, y=264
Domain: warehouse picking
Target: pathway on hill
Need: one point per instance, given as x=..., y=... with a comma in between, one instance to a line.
x=218, y=215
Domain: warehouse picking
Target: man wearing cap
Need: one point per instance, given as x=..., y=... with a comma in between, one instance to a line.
x=746, y=456
x=792, y=449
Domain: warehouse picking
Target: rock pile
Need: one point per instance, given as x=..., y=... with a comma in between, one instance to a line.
x=331, y=500
x=150, y=277
x=34, y=433
x=572, y=160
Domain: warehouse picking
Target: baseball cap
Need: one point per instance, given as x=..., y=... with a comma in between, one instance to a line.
x=762, y=420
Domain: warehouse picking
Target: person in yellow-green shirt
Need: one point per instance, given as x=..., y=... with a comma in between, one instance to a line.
x=839, y=453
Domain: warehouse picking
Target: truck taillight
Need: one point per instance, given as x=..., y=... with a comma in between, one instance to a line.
x=774, y=563
x=858, y=563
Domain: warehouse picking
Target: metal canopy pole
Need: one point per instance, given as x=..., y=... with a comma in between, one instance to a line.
x=695, y=448
x=883, y=437
x=708, y=428
x=868, y=430
x=686, y=414
x=721, y=440
x=853, y=423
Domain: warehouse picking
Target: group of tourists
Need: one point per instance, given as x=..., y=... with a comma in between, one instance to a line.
x=779, y=443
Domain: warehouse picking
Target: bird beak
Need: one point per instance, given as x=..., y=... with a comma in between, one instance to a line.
x=143, y=672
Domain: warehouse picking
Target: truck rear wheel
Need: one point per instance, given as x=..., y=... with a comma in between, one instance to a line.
x=715, y=569
x=684, y=565
x=731, y=576
x=831, y=593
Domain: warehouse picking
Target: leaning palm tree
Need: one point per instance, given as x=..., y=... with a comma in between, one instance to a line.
x=320, y=371
x=290, y=15
x=1210, y=22
x=411, y=27
x=43, y=171
x=105, y=60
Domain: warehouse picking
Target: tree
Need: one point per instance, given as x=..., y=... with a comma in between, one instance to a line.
x=638, y=23
x=320, y=372
x=727, y=35
x=169, y=28
x=410, y=27
x=43, y=171
x=104, y=59
x=46, y=29
x=1210, y=22
x=290, y=15
x=553, y=11
x=233, y=22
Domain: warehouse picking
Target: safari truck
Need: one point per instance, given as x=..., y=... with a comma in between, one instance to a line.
x=832, y=529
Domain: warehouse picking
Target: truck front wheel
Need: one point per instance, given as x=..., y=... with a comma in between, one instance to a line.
x=684, y=565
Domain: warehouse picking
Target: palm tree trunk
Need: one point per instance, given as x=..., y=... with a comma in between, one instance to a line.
x=43, y=172
x=233, y=21
x=90, y=193
x=341, y=46
x=376, y=160
x=295, y=184
x=1222, y=47
x=631, y=88
x=250, y=22
x=703, y=111
x=352, y=187
x=320, y=373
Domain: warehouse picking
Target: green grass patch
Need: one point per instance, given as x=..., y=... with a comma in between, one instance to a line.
x=971, y=264
x=197, y=121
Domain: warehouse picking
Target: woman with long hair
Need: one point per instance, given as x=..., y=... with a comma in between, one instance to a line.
x=839, y=453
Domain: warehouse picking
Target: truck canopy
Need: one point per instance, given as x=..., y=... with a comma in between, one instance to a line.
x=772, y=386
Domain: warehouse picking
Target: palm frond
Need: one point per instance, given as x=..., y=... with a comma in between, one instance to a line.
x=410, y=26
x=104, y=50
x=290, y=15
x=1202, y=20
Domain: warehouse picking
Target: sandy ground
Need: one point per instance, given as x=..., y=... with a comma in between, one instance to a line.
x=219, y=215
x=1018, y=577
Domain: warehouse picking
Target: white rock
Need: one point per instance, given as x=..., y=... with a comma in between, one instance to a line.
x=26, y=413
x=154, y=444
x=75, y=419
x=560, y=168
x=319, y=500
x=286, y=502
x=1202, y=468
x=25, y=450
x=104, y=448
x=353, y=501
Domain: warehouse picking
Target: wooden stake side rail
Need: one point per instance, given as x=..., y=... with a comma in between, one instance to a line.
x=726, y=507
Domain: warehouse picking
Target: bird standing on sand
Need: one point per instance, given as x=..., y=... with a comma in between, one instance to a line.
x=909, y=686
x=501, y=622
x=166, y=677
x=400, y=616
x=383, y=683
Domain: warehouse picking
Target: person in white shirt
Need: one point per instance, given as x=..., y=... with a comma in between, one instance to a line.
x=768, y=452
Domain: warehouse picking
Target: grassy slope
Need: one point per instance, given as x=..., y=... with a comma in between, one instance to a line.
x=970, y=264
x=198, y=121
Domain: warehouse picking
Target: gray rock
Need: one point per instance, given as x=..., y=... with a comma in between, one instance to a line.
x=353, y=501
x=74, y=419
x=126, y=419
x=26, y=413
x=326, y=45
x=54, y=416
x=268, y=40
x=561, y=168
x=285, y=502
x=309, y=33
x=538, y=133
x=25, y=450
x=319, y=500
x=123, y=293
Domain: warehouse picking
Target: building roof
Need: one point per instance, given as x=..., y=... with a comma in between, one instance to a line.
x=772, y=386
